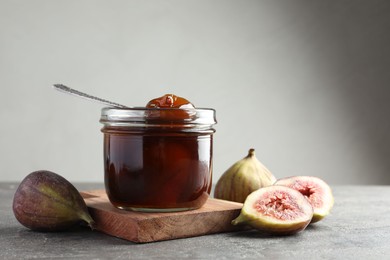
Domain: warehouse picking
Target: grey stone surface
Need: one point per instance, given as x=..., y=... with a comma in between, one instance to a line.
x=358, y=228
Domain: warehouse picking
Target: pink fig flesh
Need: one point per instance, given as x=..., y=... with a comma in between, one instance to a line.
x=315, y=190
x=276, y=210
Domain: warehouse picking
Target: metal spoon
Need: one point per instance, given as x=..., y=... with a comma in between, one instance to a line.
x=68, y=90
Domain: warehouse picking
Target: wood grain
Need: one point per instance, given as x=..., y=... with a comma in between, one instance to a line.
x=140, y=227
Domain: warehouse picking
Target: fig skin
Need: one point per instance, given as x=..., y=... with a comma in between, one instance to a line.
x=45, y=201
x=242, y=178
x=276, y=210
x=315, y=190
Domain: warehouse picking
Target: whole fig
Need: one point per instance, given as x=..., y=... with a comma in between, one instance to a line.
x=242, y=178
x=276, y=210
x=45, y=201
x=315, y=190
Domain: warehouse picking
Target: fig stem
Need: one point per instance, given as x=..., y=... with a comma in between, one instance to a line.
x=251, y=152
x=237, y=221
x=92, y=225
x=89, y=220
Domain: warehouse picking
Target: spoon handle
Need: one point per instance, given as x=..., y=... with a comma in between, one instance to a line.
x=71, y=91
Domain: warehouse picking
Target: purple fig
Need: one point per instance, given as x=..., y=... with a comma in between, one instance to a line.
x=45, y=201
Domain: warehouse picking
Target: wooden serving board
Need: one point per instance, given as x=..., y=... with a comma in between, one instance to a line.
x=140, y=227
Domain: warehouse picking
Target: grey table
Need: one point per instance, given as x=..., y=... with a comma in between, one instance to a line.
x=358, y=228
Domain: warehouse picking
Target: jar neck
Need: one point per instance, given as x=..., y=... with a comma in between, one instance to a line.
x=157, y=131
x=183, y=120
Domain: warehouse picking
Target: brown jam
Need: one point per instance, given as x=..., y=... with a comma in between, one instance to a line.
x=169, y=101
x=156, y=170
x=157, y=163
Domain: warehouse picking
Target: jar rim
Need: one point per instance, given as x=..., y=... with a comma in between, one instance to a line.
x=142, y=116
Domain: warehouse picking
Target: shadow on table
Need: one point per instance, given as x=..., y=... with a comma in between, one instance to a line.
x=78, y=234
x=256, y=234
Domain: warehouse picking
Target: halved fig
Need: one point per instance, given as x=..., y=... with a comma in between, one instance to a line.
x=276, y=210
x=315, y=190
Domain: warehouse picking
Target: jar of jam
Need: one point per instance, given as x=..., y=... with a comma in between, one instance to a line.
x=158, y=159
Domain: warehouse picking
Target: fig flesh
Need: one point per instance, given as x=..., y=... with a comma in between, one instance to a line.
x=242, y=178
x=45, y=201
x=315, y=190
x=276, y=210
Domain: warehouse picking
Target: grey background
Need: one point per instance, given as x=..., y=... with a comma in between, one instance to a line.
x=305, y=83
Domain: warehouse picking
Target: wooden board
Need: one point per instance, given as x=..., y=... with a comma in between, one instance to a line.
x=140, y=227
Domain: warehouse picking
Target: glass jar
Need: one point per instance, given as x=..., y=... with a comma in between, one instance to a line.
x=158, y=159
